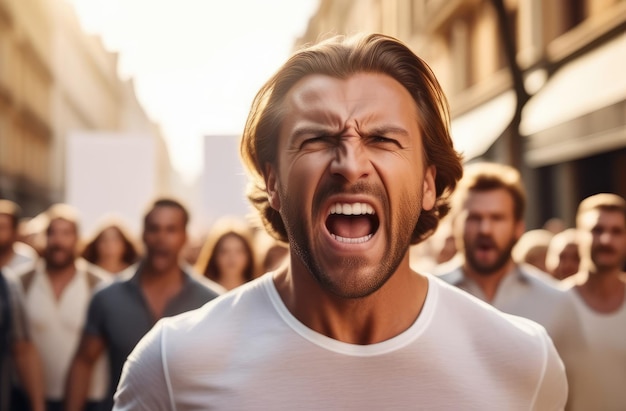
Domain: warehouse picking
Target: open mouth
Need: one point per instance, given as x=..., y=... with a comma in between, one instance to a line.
x=352, y=223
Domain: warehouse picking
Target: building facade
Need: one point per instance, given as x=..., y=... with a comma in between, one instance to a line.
x=571, y=54
x=56, y=80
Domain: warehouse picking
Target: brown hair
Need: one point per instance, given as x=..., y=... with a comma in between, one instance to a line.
x=485, y=176
x=207, y=258
x=341, y=57
x=131, y=251
x=603, y=202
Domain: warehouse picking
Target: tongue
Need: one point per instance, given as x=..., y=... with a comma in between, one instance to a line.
x=349, y=226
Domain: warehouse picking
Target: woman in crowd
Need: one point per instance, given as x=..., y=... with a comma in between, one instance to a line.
x=111, y=249
x=227, y=256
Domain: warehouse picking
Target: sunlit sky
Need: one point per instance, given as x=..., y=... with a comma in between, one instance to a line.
x=196, y=64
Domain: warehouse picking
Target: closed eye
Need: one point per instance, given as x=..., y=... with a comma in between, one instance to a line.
x=318, y=141
x=382, y=140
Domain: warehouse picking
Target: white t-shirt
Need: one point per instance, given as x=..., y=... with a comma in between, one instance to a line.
x=602, y=385
x=245, y=350
x=525, y=292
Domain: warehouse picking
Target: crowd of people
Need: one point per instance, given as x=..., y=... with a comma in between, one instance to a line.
x=393, y=276
x=78, y=305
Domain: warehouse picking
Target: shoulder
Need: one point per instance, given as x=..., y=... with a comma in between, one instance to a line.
x=540, y=275
x=205, y=286
x=482, y=319
x=241, y=311
x=27, y=277
x=451, y=276
x=112, y=291
x=544, y=291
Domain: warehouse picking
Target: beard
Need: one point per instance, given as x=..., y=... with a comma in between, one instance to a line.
x=486, y=268
x=350, y=277
x=600, y=254
x=59, y=258
x=6, y=248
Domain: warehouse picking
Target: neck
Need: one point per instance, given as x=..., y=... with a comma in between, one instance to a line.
x=112, y=265
x=231, y=280
x=384, y=314
x=604, y=282
x=151, y=274
x=488, y=282
x=56, y=272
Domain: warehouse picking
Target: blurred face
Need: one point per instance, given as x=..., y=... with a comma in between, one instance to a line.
x=489, y=230
x=110, y=245
x=164, y=236
x=8, y=233
x=61, y=242
x=569, y=261
x=606, y=242
x=231, y=256
x=350, y=180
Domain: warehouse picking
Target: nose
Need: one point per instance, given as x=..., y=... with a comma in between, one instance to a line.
x=485, y=225
x=605, y=237
x=351, y=160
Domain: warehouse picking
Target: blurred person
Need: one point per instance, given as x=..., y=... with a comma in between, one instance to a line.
x=18, y=355
x=489, y=207
x=599, y=293
x=444, y=245
x=14, y=254
x=351, y=161
x=32, y=231
x=562, y=257
x=57, y=292
x=227, y=256
x=121, y=313
x=111, y=249
x=554, y=225
x=275, y=256
x=437, y=249
x=271, y=253
x=532, y=247
x=192, y=249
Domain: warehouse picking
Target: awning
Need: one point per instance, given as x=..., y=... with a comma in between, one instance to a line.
x=591, y=82
x=475, y=131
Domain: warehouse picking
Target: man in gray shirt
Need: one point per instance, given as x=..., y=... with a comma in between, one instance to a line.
x=121, y=313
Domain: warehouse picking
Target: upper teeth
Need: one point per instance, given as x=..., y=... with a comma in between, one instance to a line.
x=351, y=209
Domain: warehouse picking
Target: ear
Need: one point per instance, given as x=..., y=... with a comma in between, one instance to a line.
x=271, y=185
x=429, y=192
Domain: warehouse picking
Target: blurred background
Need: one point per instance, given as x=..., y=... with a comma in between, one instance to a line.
x=106, y=104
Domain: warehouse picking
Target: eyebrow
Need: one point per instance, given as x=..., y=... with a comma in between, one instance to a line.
x=309, y=130
x=382, y=130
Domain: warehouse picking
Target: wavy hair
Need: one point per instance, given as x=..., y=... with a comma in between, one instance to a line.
x=342, y=57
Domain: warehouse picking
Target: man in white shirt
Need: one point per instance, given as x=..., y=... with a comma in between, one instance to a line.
x=57, y=292
x=599, y=293
x=488, y=209
x=351, y=159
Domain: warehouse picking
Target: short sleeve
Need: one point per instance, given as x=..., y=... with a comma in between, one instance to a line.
x=144, y=383
x=552, y=390
x=94, y=323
